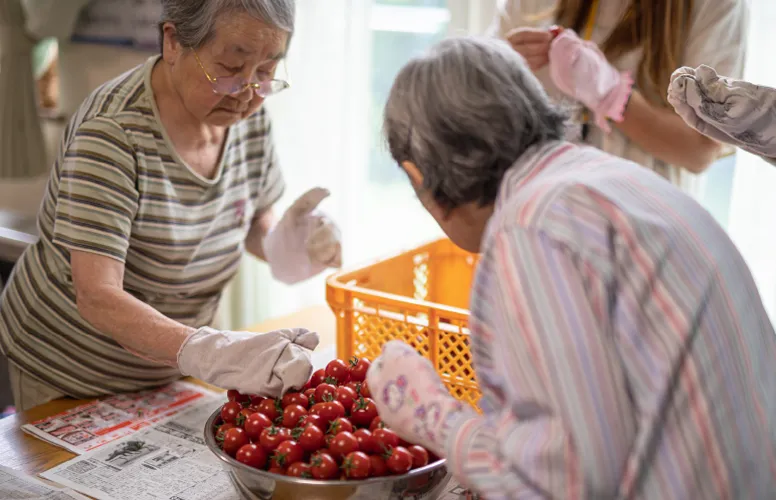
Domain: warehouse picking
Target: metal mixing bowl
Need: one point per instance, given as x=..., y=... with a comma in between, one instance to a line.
x=423, y=483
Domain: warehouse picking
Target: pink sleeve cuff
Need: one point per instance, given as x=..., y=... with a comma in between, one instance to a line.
x=613, y=106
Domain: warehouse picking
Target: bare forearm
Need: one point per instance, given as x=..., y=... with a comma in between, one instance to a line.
x=138, y=327
x=254, y=241
x=662, y=133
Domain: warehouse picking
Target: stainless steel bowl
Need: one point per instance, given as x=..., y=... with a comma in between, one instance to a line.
x=425, y=482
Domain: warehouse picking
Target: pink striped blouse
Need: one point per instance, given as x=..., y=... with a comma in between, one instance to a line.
x=620, y=342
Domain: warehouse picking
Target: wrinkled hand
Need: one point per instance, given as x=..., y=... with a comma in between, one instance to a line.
x=580, y=70
x=727, y=110
x=304, y=242
x=533, y=44
x=411, y=398
x=268, y=364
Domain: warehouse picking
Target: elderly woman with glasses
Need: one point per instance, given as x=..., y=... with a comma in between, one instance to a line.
x=165, y=177
x=618, y=337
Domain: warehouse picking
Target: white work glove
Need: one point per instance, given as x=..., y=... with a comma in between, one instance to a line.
x=412, y=400
x=268, y=364
x=304, y=242
x=727, y=110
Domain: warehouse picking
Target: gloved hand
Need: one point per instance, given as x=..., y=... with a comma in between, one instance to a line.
x=580, y=70
x=727, y=110
x=411, y=398
x=268, y=364
x=304, y=242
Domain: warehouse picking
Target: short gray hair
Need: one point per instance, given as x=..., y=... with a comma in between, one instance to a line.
x=463, y=113
x=195, y=20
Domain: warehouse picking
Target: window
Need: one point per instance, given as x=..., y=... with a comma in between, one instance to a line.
x=739, y=191
x=328, y=130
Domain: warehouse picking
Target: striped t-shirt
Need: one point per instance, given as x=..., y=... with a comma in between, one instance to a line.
x=119, y=189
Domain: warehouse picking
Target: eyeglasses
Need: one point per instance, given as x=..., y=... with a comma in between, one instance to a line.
x=231, y=85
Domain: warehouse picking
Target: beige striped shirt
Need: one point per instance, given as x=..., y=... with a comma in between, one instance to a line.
x=120, y=190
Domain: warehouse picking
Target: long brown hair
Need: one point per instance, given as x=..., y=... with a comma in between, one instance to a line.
x=660, y=27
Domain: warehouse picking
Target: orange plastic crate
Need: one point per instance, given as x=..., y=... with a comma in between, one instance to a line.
x=419, y=296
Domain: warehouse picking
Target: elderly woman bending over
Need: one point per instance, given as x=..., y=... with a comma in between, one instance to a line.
x=165, y=177
x=619, y=340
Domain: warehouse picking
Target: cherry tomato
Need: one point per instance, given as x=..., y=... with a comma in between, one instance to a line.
x=299, y=469
x=363, y=412
x=271, y=437
x=366, y=442
x=235, y=396
x=338, y=425
x=358, y=368
x=377, y=423
x=256, y=399
x=270, y=407
x=292, y=415
x=328, y=411
x=323, y=466
x=221, y=431
x=230, y=411
x=399, y=460
x=346, y=396
x=364, y=391
x=385, y=438
x=317, y=378
x=342, y=444
x=325, y=392
x=256, y=423
x=243, y=416
x=234, y=439
x=274, y=469
x=419, y=456
x=338, y=370
x=356, y=465
x=310, y=394
x=356, y=386
x=252, y=455
x=311, y=438
x=377, y=466
x=287, y=453
x=294, y=398
x=311, y=419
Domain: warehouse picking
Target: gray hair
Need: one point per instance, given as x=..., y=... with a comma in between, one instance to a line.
x=195, y=20
x=463, y=113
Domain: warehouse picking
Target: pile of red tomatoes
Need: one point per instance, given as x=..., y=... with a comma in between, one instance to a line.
x=329, y=430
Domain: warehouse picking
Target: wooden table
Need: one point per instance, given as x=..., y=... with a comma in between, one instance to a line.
x=33, y=456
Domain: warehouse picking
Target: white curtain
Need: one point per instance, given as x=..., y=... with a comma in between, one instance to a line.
x=327, y=128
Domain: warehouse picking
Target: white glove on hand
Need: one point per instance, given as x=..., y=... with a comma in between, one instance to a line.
x=411, y=398
x=304, y=242
x=727, y=110
x=268, y=364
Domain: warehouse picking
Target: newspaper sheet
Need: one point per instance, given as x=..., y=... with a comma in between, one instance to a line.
x=169, y=460
x=95, y=424
x=19, y=486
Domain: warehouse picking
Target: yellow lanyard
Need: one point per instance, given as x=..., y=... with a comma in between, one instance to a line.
x=591, y=18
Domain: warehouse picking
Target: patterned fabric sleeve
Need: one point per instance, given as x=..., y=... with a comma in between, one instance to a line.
x=98, y=197
x=534, y=302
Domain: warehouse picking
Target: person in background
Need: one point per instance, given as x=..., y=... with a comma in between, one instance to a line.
x=642, y=39
x=166, y=176
x=97, y=41
x=730, y=111
x=618, y=337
